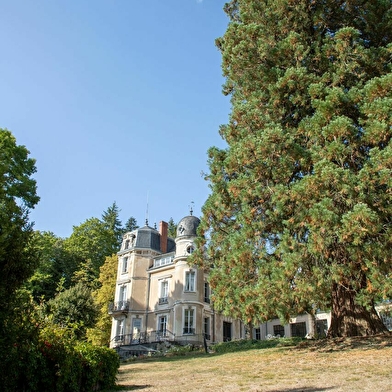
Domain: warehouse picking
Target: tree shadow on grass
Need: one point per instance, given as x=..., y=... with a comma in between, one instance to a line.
x=303, y=389
x=130, y=387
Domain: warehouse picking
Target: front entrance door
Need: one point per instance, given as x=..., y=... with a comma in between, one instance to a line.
x=226, y=331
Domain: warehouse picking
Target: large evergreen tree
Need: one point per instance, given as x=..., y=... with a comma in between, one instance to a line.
x=300, y=213
x=130, y=225
x=112, y=224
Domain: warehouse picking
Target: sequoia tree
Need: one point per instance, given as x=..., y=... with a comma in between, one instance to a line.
x=299, y=216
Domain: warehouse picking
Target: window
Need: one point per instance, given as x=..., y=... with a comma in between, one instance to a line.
x=206, y=328
x=322, y=328
x=162, y=323
x=257, y=334
x=122, y=298
x=163, y=261
x=190, y=249
x=124, y=264
x=164, y=292
x=298, y=329
x=206, y=292
x=126, y=244
x=189, y=321
x=120, y=331
x=136, y=329
x=279, y=331
x=386, y=319
x=190, y=281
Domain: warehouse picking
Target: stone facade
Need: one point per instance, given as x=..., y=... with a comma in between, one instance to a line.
x=159, y=296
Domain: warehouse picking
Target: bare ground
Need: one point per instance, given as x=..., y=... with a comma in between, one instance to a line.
x=354, y=364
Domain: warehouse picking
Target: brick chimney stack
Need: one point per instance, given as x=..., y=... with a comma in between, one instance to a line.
x=163, y=231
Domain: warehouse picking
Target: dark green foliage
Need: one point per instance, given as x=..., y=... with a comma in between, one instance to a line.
x=73, y=308
x=18, y=260
x=112, y=224
x=55, y=264
x=172, y=229
x=299, y=217
x=54, y=361
x=130, y=225
x=19, y=341
x=90, y=243
x=38, y=353
x=17, y=196
x=100, y=366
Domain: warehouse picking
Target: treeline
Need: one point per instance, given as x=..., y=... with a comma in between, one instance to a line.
x=54, y=292
x=75, y=277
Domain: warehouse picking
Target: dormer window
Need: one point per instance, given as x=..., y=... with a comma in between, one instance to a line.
x=126, y=246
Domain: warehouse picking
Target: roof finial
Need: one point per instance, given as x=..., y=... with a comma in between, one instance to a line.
x=191, y=208
x=147, y=210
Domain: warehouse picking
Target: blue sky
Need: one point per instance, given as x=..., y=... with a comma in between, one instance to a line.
x=117, y=100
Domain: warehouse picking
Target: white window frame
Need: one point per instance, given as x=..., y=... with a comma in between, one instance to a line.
x=126, y=243
x=122, y=294
x=189, y=321
x=120, y=329
x=124, y=268
x=190, y=283
x=164, y=289
x=163, y=330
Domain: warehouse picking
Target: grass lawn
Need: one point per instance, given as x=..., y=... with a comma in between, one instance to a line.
x=330, y=365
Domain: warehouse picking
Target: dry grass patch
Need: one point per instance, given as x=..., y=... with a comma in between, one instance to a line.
x=333, y=365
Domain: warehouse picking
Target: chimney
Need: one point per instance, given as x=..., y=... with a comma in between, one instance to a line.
x=163, y=228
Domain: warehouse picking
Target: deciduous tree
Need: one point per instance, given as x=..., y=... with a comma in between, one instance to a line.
x=17, y=258
x=100, y=333
x=17, y=197
x=73, y=308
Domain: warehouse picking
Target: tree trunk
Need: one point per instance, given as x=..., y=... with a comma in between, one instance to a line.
x=350, y=319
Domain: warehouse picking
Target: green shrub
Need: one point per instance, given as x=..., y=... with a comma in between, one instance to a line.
x=72, y=366
x=242, y=345
x=63, y=365
x=99, y=367
x=182, y=350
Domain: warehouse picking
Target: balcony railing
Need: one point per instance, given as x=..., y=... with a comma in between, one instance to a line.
x=162, y=300
x=143, y=337
x=120, y=306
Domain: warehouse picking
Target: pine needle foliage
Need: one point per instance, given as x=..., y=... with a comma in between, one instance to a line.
x=299, y=216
